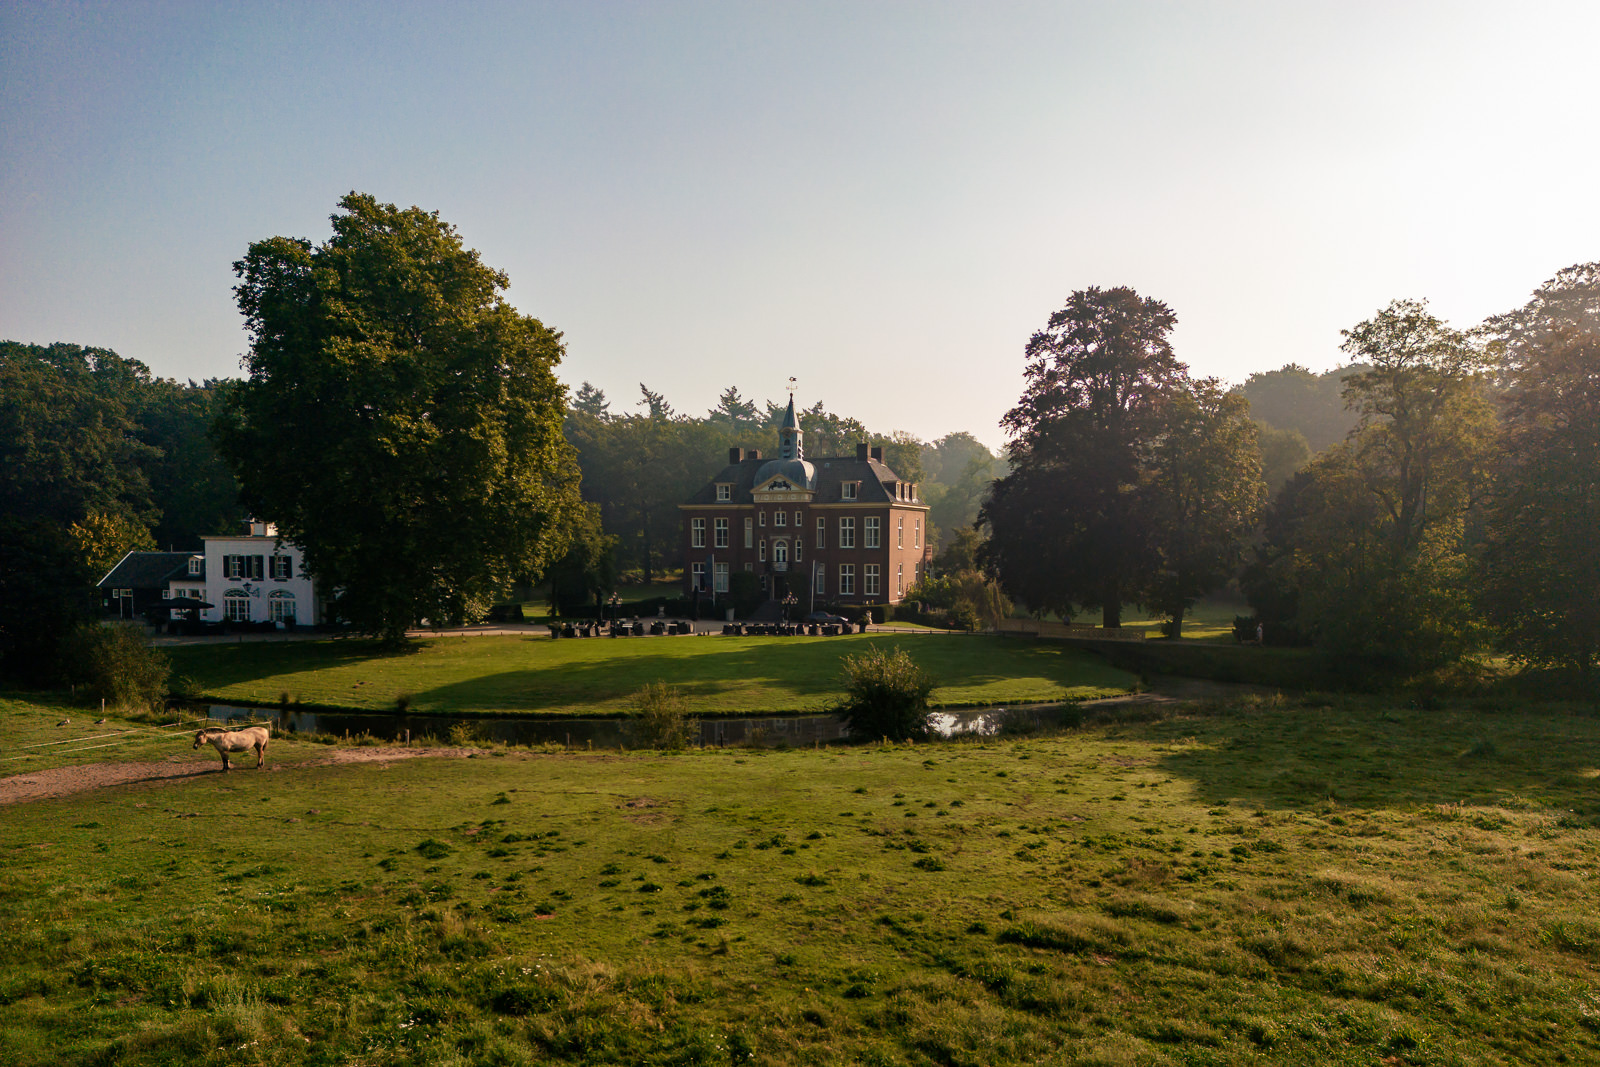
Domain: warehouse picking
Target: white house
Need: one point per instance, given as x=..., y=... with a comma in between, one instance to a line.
x=253, y=577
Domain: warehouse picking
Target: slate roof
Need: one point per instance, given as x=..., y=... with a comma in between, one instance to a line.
x=146, y=570
x=830, y=471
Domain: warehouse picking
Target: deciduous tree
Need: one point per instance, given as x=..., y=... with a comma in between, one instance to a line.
x=401, y=421
x=1070, y=524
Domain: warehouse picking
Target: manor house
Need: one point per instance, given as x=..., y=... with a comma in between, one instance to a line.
x=835, y=528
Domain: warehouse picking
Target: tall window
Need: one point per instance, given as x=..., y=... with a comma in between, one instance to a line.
x=917, y=533
x=797, y=550
x=900, y=532
x=236, y=606
x=847, y=579
x=763, y=556
x=697, y=572
x=871, y=535
x=822, y=533
x=780, y=552
x=282, y=568
x=697, y=533
x=233, y=566
x=280, y=608
x=749, y=532
x=780, y=518
x=847, y=533
x=720, y=532
x=798, y=521
x=761, y=517
x=899, y=579
x=720, y=576
x=869, y=579
x=821, y=574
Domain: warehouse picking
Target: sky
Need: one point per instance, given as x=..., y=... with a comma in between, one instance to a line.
x=882, y=200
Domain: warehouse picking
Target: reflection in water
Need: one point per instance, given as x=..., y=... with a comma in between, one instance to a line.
x=771, y=731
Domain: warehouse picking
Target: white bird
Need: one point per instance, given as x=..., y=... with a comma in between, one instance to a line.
x=63, y=722
x=99, y=722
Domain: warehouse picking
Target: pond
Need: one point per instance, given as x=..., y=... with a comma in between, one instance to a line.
x=764, y=731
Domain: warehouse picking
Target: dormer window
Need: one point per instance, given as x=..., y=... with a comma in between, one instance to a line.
x=724, y=492
x=194, y=564
x=847, y=490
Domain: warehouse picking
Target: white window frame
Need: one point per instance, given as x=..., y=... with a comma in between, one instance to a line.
x=761, y=519
x=899, y=580
x=799, y=520
x=847, y=531
x=719, y=578
x=820, y=572
x=195, y=563
x=232, y=566
x=762, y=550
x=848, y=490
x=697, y=576
x=236, y=609
x=749, y=532
x=724, y=492
x=780, y=551
x=916, y=533
x=900, y=532
x=822, y=532
x=847, y=579
x=872, y=532
x=697, y=533
x=719, y=533
x=797, y=550
x=282, y=567
x=870, y=580
x=780, y=518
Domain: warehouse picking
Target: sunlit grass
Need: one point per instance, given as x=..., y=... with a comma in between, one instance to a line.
x=1298, y=882
x=716, y=674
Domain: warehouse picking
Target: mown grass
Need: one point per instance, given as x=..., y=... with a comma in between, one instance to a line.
x=1313, y=882
x=597, y=676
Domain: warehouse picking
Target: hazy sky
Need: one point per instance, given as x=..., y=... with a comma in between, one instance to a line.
x=884, y=200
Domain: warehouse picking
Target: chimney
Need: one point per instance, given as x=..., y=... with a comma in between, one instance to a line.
x=735, y=455
x=754, y=453
x=861, y=451
x=877, y=453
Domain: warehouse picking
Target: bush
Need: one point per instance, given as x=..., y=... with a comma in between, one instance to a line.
x=117, y=664
x=888, y=695
x=662, y=720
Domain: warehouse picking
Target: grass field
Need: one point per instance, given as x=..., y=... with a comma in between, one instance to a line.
x=718, y=675
x=1308, y=883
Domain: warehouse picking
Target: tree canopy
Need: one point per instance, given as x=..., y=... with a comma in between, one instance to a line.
x=1069, y=525
x=400, y=421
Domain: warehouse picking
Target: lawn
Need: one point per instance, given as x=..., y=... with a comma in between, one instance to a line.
x=1301, y=883
x=718, y=675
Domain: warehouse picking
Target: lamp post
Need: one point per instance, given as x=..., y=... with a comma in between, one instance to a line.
x=614, y=601
x=788, y=602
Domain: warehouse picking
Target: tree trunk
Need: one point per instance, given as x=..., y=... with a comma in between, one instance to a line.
x=1111, y=606
x=1175, y=627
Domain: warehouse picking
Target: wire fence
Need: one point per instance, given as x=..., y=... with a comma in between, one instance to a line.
x=118, y=738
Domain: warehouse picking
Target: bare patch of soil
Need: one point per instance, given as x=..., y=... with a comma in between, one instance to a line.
x=65, y=781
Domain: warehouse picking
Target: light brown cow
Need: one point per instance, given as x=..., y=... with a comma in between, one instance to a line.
x=226, y=741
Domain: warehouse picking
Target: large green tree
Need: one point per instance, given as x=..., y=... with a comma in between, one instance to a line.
x=1541, y=565
x=1369, y=546
x=73, y=492
x=1206, y=492
x=401, y=421
x=1070, y=525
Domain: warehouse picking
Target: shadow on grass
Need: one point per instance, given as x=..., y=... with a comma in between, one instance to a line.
x=1368, y=755
x=765, y=675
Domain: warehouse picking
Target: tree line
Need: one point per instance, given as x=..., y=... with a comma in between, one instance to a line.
x=1457, y=511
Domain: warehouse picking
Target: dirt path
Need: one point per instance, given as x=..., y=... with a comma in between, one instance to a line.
x=64, y=781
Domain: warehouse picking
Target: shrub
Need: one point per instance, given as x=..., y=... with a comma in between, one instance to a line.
x=117, y=664
x=888, y=695
x=662, y=717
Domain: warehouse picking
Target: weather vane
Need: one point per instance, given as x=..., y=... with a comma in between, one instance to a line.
x=791, y=388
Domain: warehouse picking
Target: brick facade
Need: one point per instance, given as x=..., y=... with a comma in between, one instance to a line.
x=834, y=528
